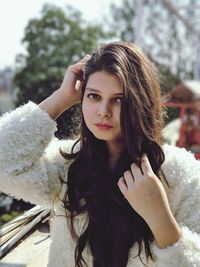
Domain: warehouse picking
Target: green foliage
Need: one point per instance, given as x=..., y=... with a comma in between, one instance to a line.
x=55, y=40
x=9, y=216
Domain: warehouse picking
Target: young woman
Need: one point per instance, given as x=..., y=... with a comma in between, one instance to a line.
x=119, y=196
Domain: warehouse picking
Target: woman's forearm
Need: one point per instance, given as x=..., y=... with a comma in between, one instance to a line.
x=56, y=104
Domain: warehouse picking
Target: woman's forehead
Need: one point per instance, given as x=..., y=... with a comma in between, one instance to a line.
x=102, y=81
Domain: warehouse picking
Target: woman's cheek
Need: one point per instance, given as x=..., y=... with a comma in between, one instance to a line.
x=84, y=107
x=88, y=111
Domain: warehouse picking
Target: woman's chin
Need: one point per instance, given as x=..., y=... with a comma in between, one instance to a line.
x=104, y=138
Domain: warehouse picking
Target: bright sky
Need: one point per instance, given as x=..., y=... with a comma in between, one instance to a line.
x=15, y=14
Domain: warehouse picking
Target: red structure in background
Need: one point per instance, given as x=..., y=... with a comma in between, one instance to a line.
x=186, y=97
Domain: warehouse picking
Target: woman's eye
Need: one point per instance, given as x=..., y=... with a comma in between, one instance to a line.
x=92, y=96
x=118, y=99
x=97, y=97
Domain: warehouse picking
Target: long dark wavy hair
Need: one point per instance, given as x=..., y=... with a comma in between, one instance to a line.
x=113, y=225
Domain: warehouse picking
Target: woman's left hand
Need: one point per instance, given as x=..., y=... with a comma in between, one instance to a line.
x=145, y=193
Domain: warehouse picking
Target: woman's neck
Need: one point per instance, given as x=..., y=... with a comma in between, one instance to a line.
x=115, y=148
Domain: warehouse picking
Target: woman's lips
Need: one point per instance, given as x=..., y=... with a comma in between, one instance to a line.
x=103, y=127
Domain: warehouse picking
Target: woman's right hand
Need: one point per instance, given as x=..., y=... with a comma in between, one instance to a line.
x=72, y=80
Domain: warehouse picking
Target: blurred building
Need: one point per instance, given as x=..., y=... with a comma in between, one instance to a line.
x=185, y=130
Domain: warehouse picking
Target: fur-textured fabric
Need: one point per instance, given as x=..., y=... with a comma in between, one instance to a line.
x=30, y=167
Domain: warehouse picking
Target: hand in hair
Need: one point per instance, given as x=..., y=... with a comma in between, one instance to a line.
x=146, y=194
x=73, y=78
x=69, y=92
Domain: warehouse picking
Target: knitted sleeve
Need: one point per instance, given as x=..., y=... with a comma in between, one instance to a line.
x=30, y=161
x=182, y=171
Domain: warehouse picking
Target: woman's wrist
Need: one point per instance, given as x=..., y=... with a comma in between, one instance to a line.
x=68, y=100
x=166, y=234
x=57, y=103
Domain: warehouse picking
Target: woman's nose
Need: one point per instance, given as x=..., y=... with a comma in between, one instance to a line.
x=104, y=110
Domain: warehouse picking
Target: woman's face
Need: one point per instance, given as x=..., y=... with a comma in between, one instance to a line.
x=102, y=104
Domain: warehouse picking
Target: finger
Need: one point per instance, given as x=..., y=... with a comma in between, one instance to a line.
x=80, y=65
x=122, y=186
x=128, y=178
x=83, y=70
x=85, y=58
x=78, y=84
x=81, y=62
x=136, y=171
x=77, y=69
x=145, y=164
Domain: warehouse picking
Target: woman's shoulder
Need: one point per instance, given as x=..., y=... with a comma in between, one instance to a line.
x=180, y=164
x=179, y=154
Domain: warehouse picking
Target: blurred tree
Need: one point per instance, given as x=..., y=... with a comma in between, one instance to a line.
x=167, y=78
x=123, y=19
x=165, y=39
x=168, y=40
x=167, y=82
x=55, y=40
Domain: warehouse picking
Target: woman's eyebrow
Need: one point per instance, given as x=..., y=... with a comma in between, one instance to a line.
x=97, y=91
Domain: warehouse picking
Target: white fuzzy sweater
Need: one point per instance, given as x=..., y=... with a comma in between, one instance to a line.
x=30, y=167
